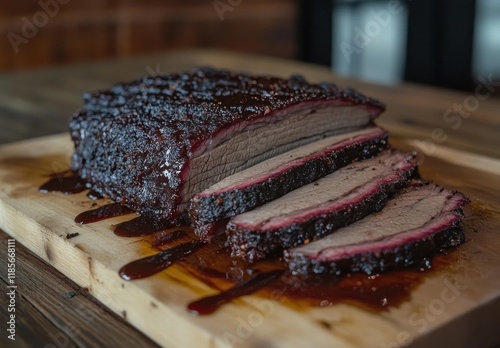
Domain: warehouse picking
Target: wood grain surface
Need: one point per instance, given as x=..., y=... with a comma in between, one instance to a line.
x=93, y=258
x=35, y=103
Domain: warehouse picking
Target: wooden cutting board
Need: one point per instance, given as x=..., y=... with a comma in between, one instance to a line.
x=457, y=305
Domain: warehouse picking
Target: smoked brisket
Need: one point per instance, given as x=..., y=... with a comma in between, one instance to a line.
x=154, y=142
x=407, y=232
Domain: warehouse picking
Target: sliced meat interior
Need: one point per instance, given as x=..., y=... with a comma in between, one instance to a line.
x=267, y=139
x=407, y=232
x=319, y=208
x=279, y=175
x=152, y=143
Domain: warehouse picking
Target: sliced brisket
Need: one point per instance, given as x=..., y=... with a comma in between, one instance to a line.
x=317, y=209
x=407, y=232
x=279, y=175
x=152, y=143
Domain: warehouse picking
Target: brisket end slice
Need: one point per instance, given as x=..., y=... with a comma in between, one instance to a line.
x=413, y=254
x=415, y=225
x=318, y=209
x=279, y=175
x=152, y=143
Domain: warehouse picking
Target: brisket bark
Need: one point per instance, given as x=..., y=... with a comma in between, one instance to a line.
x=152, y=143
x=279, y=175
x=407, y=232
x=317, y=209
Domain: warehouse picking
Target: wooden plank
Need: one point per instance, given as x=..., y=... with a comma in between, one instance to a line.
x=51, y=309
x=93, y=258
x=32, y=328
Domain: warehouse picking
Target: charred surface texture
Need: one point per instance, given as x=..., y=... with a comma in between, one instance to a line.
x=134, y=141
x=242, y=198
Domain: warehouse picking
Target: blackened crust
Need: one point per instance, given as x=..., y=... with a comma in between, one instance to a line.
x=206, y=209
x=133, y=142
x=416, y=254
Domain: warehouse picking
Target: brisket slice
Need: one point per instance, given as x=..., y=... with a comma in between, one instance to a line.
x=320, y=208
x=279, y=175
x=152, y=143
x=407, y=232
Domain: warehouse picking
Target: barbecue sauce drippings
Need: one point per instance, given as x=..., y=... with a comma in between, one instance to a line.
x=145, y=224
x=153, y=264
x=64, y=184
x=372, y=292
x=105, y=212
x=141, y=226
x=212, y=263
x=215, y=267
x=210, y=304
x=168, y=238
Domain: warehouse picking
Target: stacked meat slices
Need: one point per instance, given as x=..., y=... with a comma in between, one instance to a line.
x=420, y=220
x=280, y=165
x=333, y=206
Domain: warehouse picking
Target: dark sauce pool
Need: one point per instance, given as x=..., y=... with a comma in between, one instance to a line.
x=233, y=278
x=102, y=213
x=64, y=184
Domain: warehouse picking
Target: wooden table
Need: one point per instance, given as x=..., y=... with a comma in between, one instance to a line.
x=53, y=309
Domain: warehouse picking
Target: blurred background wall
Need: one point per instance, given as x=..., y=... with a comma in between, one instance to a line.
x=88, y=30
x=448, y=43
